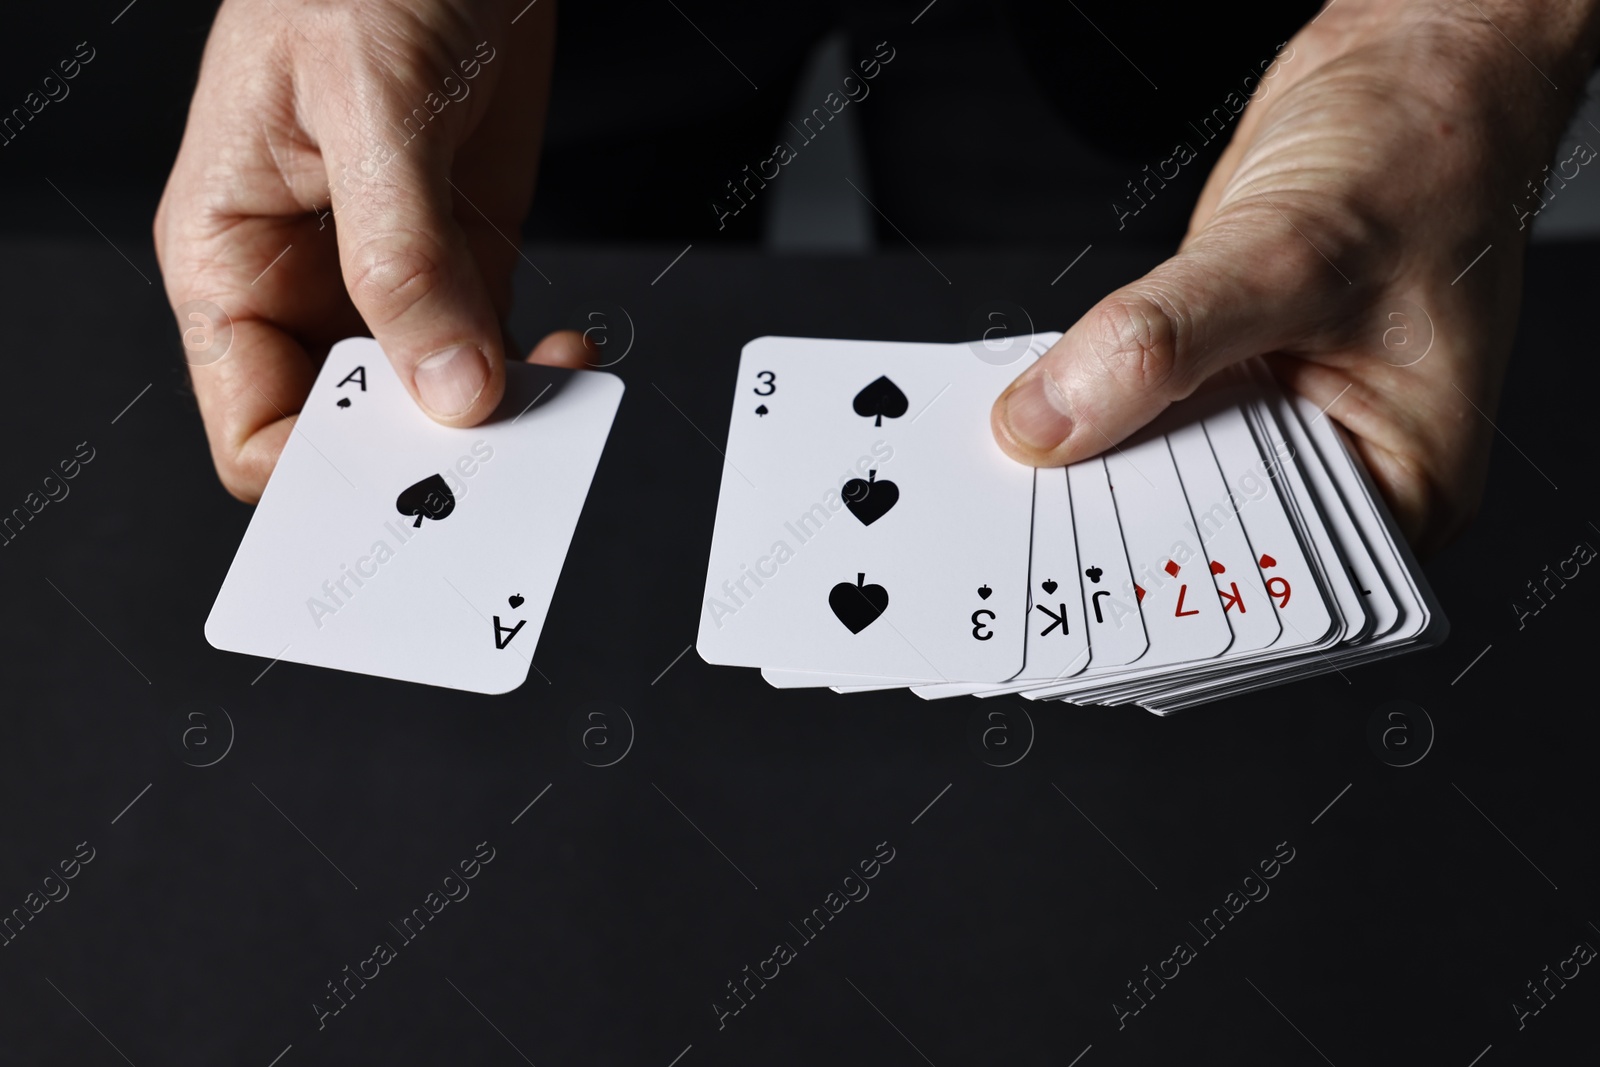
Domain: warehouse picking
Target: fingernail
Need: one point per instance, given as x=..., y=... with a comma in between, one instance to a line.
x=1036, y=413
x=450, y=381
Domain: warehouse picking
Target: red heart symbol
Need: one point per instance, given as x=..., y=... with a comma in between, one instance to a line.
x=1217, y=568
x=1268, y=561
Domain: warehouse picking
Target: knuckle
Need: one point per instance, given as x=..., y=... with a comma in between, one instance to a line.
x=395, y=45
x=233, y=459
x=245, y=443
x=1135, y=341
x=237, y=480
x=390, y=277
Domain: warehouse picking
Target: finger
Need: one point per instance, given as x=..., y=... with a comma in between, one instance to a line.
x=247, y=401
x=565, y=348
x=406, y=262
x=1238, y=290
x=1427, y=454
x=226, y=279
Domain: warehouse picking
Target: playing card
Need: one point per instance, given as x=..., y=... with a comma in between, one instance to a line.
x=1117, y=612
x=868, y=524
x=1422, y=622
x=1112, y=617
x=1057, y=642
x=1348, y=490
x=1172, y=581
x=1282, y=567
x=1422, y=618
x=1113, y=624
x=1241, y=588
x=1240, y=493
x=1377, y=592
x=1286, y=585
x=1056, y=646
x=389, y=545
x=1338, y=549
x=1252, y=577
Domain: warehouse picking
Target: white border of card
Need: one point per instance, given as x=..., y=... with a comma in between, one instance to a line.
x=387, y=544
x=1234, y=544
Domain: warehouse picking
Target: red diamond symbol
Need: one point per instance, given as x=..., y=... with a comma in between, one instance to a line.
x=1172, y=568
x=1140, y=593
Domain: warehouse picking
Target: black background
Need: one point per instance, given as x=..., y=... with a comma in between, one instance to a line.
x=223, y=899
x=995, y=122
x=207, y=925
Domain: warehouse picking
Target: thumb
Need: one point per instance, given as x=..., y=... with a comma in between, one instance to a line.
x=1226, y=297
x=408, y=267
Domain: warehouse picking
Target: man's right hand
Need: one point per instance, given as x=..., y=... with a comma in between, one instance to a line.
x=419, y=122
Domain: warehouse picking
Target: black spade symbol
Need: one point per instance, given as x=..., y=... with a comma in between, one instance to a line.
x=430, y=498
x=344, y=401
x=762, y=410
x=1049, y=585
x=1093, y=574
x=870, y=500
x=858, y=606
x=984, y=591
x=515, y=600
x=882, y=398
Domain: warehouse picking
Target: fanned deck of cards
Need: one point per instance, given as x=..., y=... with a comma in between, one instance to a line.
x=871, y=535
x=390, y=545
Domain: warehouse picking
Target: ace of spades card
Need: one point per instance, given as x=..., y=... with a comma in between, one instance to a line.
x=390, y=545
x=868, y=524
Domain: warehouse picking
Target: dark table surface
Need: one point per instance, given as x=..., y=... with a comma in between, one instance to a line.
x=253, y=835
